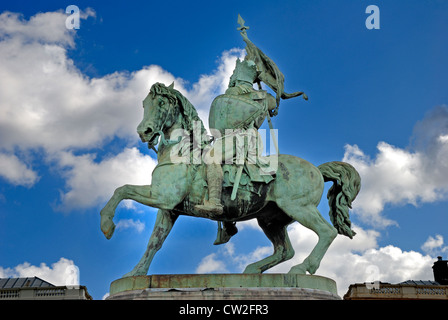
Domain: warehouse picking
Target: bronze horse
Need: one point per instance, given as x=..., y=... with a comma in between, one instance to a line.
x=293, y=195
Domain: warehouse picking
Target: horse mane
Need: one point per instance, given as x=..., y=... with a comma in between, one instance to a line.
x=190, y=115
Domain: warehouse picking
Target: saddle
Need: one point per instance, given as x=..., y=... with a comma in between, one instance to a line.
x=251, y=177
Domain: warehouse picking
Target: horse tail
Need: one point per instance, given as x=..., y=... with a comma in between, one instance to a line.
x=346, y=185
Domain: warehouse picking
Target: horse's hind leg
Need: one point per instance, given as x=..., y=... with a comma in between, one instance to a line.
x=277, y=233
x=311, y=218
x=162, y=227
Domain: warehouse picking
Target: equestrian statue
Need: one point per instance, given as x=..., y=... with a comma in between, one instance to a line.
x=224, y=177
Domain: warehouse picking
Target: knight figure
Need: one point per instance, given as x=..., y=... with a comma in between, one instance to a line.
x=234, y=120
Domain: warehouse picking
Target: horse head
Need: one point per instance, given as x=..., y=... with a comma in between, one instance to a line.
x=163, y=106
x=160, y=111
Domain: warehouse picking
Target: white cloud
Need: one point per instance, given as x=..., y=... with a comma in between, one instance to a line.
x=347, y=261
x=435, y=246
x=210, y=264
x=48, y=104
x=209, y=86
x=227, y=258
x=443, y=139
x=45, y=101
x=403, y=176
x=390, y=178
x=248, y=224
x=61, y=273
x=136, y=225
x=259, y=253
x=15, y=171
x=359, y=260
x=91, y=183
x=43, y=27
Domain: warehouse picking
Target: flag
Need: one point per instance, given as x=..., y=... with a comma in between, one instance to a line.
x=269, y=73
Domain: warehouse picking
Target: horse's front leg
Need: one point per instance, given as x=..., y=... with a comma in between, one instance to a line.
x=157, y=196
x=141, y=194
x=162, y=227
x=108, y=212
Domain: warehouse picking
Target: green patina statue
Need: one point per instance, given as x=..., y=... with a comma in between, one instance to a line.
x=225, y=178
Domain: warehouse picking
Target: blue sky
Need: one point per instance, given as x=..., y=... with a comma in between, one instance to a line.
x=70, y=101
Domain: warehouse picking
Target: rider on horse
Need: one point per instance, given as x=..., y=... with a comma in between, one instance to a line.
x=242, y=109
x=241, y=95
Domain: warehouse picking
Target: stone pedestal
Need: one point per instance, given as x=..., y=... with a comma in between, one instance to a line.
x=224, y=287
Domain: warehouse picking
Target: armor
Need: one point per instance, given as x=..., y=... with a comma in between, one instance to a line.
x=244, y=108
x=238, y=111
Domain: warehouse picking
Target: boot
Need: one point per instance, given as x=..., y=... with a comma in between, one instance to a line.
x=214, y=179
x=225, y=232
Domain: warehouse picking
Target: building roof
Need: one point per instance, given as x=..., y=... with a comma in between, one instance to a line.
x=421, y=283
x=33, y=282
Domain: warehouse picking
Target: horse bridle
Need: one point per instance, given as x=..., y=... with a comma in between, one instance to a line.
x=161, y=136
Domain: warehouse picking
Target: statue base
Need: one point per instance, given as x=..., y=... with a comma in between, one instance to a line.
x=224, y=287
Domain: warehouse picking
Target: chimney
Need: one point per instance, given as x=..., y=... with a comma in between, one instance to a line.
x=440, y=269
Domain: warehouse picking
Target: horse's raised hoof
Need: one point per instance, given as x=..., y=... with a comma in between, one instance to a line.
x=108, y=227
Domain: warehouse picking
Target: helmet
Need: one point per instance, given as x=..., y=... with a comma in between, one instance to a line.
x=245, y=70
